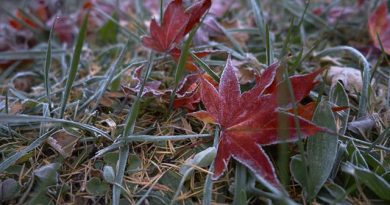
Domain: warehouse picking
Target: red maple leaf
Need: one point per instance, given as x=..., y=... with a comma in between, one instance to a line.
x=379, y=23
x=249, y=120
x=19, y=15
x=196, y=12
x=188, y=95
x=177, y=22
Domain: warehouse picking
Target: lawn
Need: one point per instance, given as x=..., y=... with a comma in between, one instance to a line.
x=195, y=102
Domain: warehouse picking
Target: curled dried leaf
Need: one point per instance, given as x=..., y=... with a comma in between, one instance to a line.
x=351, y=78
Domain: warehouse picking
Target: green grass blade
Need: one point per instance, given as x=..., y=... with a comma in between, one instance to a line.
x=161, y=11
x=208, y=184
x=152, y=138
x=145, y=195
x=12, y=159
x=28, y=54
x=234, y=42
x=129, y=129
x=123, y=29
x=110, y=75
x=388, y=62
x=286, y=42
x=48, y=62
x=205, y=67
x=181, y=183
x=309, y=17
x=148, y=138
x=33, y=18
x=263, y=29
x=129, y=125
x=259, y=17
x=23, y=119
x=373, y=181
x=240, y=184
x=74, y=65
x=339, y=97
x=269, y=46
x=180, y=68
x=284, y=149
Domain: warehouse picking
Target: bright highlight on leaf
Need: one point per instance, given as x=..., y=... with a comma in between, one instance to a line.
x=249, y=120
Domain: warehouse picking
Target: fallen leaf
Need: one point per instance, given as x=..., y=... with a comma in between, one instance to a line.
x=16, y=108
x=176, y=23
x=188, y=95
x=166, y=36
x=363, y=125
x=250, y=120
x=351, y=78
x=63, y=142
x=379, y=23
x=195, y=12
x=23, y=83
x=247, y=69
x=133, y=84
x=19, y=15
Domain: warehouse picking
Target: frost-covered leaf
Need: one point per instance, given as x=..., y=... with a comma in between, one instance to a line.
x=176, y=23
x=250, y=120
x=63, y=142
x=376, y=183
x=351, y=78
x=321, y=151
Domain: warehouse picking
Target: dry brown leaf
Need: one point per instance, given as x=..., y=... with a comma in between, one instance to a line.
x=364, y=125
x=23, y=83
x=247, y=70
x=351, y=78
x=16, y=108
x=63, y=142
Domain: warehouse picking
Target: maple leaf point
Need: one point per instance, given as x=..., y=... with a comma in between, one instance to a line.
x=249, y=120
